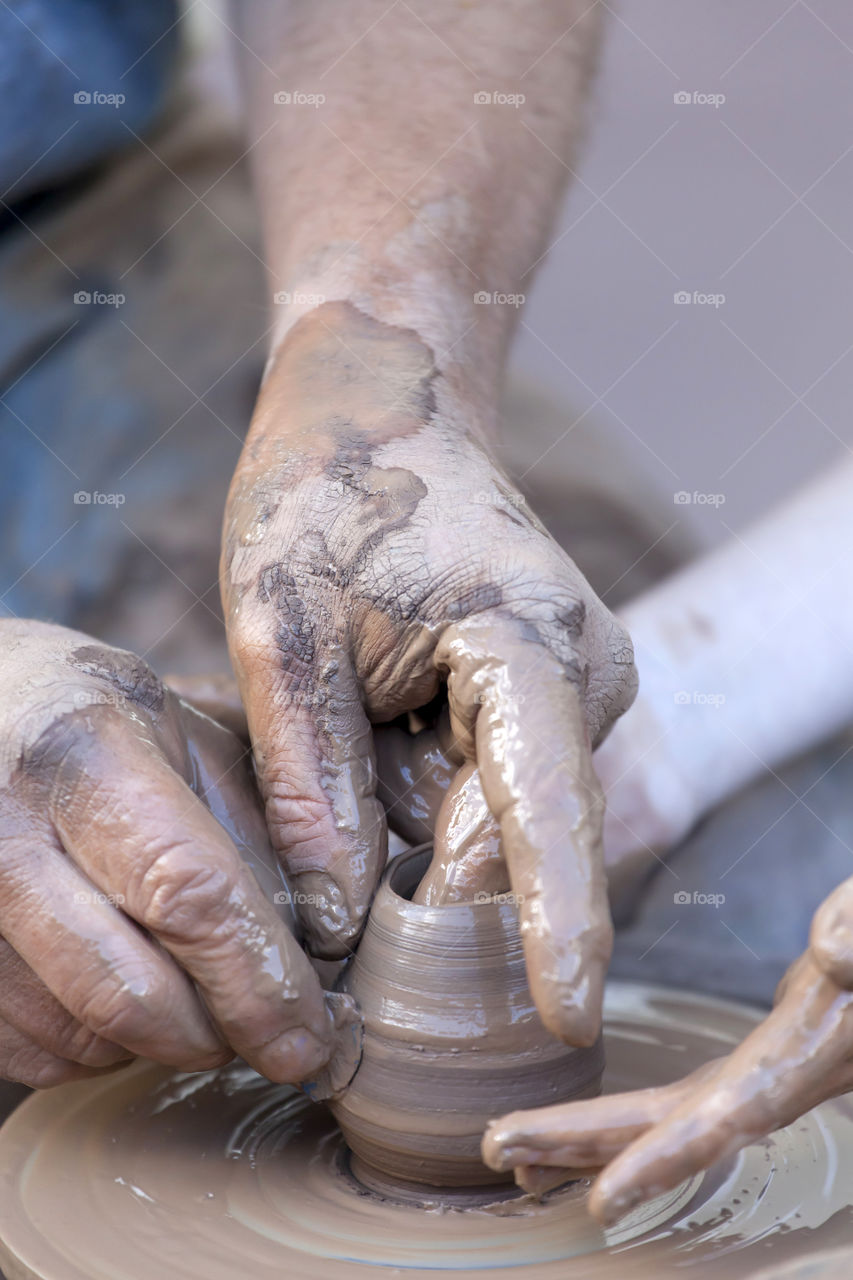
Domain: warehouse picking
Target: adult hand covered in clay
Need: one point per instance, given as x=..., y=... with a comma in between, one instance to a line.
x=652, y=1139
x=373, y=550
x=129, y=921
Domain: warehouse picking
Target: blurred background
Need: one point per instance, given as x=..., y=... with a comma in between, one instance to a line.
x=749, y=199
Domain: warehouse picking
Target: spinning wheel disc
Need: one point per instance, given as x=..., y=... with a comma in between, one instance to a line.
x=222, y=1175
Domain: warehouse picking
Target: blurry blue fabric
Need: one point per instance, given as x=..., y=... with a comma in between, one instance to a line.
x=78, y=79
x=73, y=75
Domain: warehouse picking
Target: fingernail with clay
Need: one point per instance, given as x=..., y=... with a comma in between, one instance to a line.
x=338, y=1074
x=296, y=1055
x=538, y=1180
x=609, y=1208
x=501, y=1149
x=329, y=924
x=509, y=1158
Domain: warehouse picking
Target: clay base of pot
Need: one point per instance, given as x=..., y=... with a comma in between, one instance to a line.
x=451, y=1035
x=223, y=1176
x=424, y=1195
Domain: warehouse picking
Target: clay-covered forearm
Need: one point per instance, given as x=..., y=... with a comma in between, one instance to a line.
x=385, y=178
x=746, y=653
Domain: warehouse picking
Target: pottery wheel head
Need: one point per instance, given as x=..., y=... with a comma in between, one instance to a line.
x=222, y=1175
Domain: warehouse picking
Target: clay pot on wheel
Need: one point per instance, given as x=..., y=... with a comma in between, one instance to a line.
x=451, y=1036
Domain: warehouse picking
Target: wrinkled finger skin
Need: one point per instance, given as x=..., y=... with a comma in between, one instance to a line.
x=366, y=520
x=41, y=1043
x=120, y=807
x=24, y=1060
x=652, y=1140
